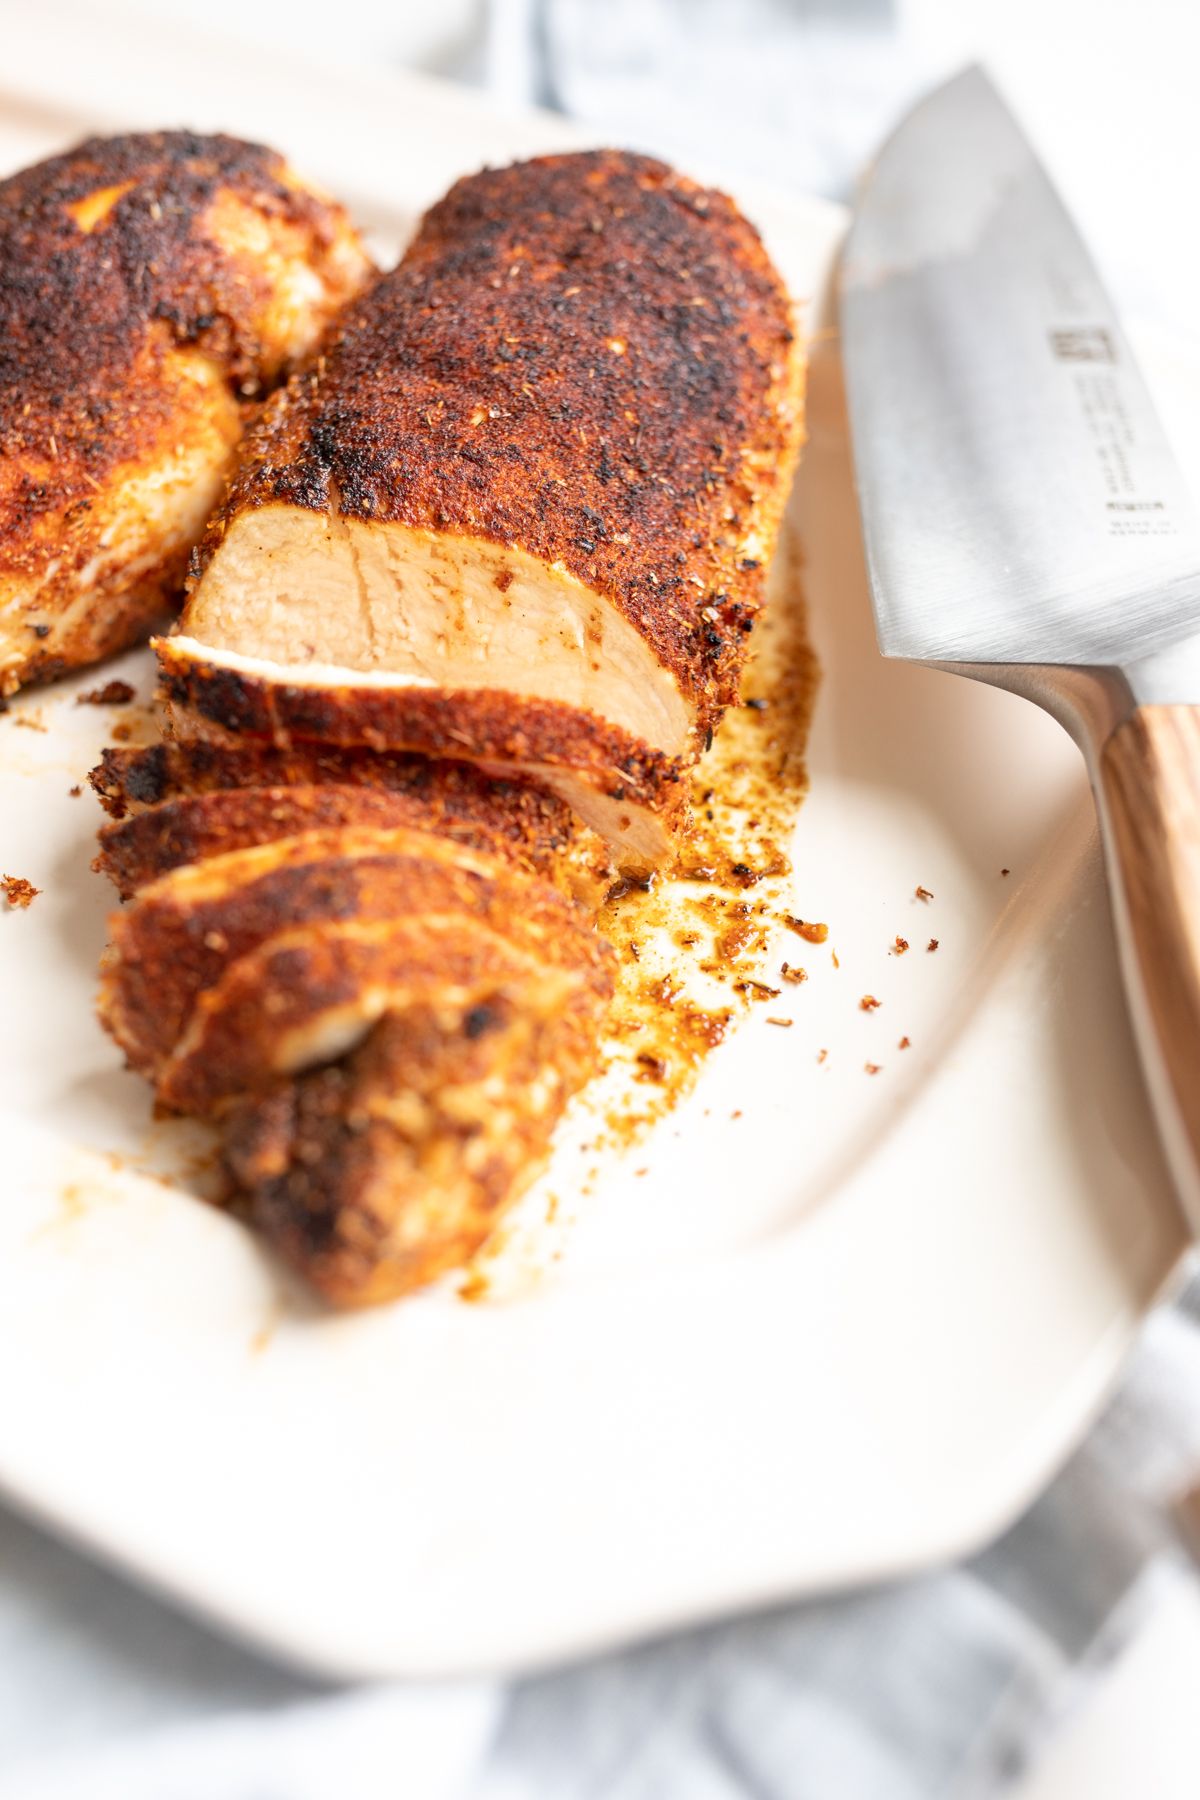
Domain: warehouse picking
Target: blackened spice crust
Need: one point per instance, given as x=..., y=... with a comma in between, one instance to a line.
x=115, y=256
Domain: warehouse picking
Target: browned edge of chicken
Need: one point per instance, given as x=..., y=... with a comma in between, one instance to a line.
x=152, y=287
x=534, y=831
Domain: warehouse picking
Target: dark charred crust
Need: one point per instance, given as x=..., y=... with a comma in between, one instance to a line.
x=126, y=779
x=587, y=357
x=75, y=305
x=487, y=724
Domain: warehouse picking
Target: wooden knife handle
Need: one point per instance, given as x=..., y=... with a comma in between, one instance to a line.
x=1149, y=772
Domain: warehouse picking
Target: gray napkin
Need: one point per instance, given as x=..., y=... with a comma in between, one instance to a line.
x=942, y=1686
x=796, y=92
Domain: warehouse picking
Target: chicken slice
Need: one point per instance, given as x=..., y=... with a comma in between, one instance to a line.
x=378, y=1173
x=310, y=994
x=150, y=286
x=520, y=508
x=631, y=795
x=137, y=851
x=194, y=801
x=185, y=929
x=128, y=780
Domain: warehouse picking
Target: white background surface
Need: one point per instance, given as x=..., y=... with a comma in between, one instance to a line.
x=1138, y=1736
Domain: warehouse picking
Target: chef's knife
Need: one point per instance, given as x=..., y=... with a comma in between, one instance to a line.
x=1026, y=523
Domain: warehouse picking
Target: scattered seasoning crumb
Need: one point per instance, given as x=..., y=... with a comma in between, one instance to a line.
x=122, y=732
x=75, y=791
x=836, y=963
x=872, y=1068
x=744, y=875
x=812, y=934
x=923, y=893
x=932, y=944
x=793, y=973
x=869, y=1003
x=904, y=1044
x=757, y=705
x=1006, y=871
x=640, y=1172
x=899, y=946
x=822, y=1056
x=737, y=1114
x=18, y=892
x=27, y=722
x=113, y=693
x=707, y=927
x=786, y=1023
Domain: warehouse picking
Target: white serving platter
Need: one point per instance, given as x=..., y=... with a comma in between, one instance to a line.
x=843, y=1335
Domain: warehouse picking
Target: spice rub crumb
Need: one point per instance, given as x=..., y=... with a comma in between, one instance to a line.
x=18, y=892
x=113, y=693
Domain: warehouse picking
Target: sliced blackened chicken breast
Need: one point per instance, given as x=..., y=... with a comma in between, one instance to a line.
x=520, y=507
x=150, y=287
x=491, y=556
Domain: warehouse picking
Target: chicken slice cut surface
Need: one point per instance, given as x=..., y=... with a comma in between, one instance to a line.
x=433, y=609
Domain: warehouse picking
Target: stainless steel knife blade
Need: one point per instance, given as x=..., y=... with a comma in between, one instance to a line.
x=1020, y=501
x=1026, y=524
